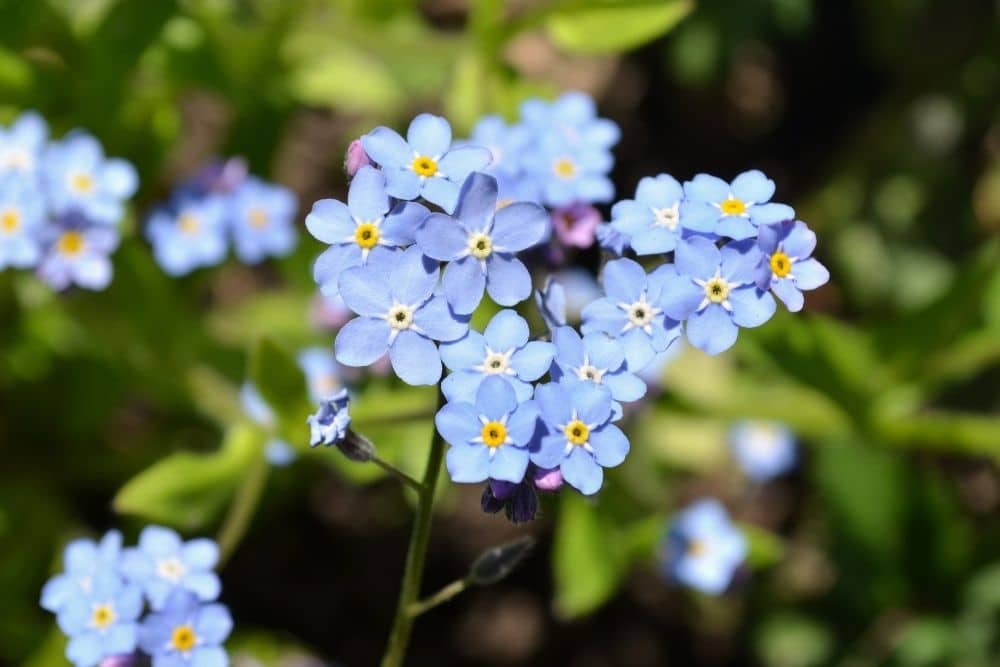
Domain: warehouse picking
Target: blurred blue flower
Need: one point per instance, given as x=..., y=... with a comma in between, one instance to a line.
x=255, y=407
x=261, y=217
x=633, y=312
x=186, y=633
x=581, y=441
x=322, y=372
x=397, y=312
x=189, y=234
x=764, y=450
x=102, y=621
x=612, y=240
x=505, y=143
x=703, y=549
x=363, y=228
x=279, y=453
x=652, y=220
x=83, y=560
x=489, y=438
x=571, y=118
x=734, y=209
x=714, y=291
x=328, y=426
x=162, y=563
x=551, y=303
x=22, y=213
x=786, y=265
x=502, y=350
x=480, y=243
x=77, y=253
x=595, y=358
x=424, y=164
x=78, y=178
x=22, y=144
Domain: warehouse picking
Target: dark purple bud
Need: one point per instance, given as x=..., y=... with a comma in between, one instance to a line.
x=523, y=505
x=501, y=489
x=490, y=503
x=356, y=158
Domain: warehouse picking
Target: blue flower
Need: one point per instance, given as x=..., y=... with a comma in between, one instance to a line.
x=279, y=453
x=564, y=296
x=502, y=350
x=581, y=441
x=479, y=243
x=764, y=450
x=786, y=265
x=83, y=560
x=22, y=143
x=163, y=563
x=571, y=118
x=551, y=303
x=328, y=426
x=22, y=213
x=715, y=292
x=506, y=144
x=424, y=164
x=187, y=633
x=77, y=253
x=489, y=438
x=363, y=228
x=188, y=234
x=261, y=217
x=633, y=312
x=611, y=239
x=255, y=407
x=652, y=220
x=734, y=209
x=79, y=178
x=322, y=372
x=703, y=548
x=595, y=358
x=399, y=313
x=102, y=621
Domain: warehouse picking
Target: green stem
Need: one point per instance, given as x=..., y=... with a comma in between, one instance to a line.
x=402, y=476
x=442, y=596
x=399, y=636
x=242, y=509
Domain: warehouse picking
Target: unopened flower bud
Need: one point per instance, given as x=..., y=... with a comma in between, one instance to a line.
x=356, y=158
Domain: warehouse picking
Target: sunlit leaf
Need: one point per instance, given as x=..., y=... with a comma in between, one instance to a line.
x=611, y=27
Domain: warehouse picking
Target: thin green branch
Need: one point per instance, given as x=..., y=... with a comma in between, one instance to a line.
x=402, y=476
x=242, y=509
x=442, y=596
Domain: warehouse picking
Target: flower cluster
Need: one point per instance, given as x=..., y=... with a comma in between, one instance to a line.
x=222, y=203
x=61, y=203
x=100, y=598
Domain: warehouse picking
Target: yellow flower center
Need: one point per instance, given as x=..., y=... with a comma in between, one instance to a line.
x=10, y=220
x=696, y=548
x=480, y=245
x=366, y=235
x=781, y=264
x=733, y=206
x=400, y=317
x=564, y=168
x=189, y=223
x=257, y=217
x=494, y=434
x=424, y=166
x=183, y=638
x=82, y=183
x=103, y=616
x=70, y=243
x=717, y=290
x=577, y=432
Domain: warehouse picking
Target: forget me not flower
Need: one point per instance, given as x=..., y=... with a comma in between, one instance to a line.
x=22, y=143
x=101, y=622
x=714, y=291
x=328, y=426
x=79, y=178
x=786, y=266
x=632, y=311
x=83, y=560
x=503, y=351
x=595, y=358
x=581, y=441
x=363, y=228
x=163, y=563
x=261, y=217
x=398, y=312
x=479, y=243
x=77, y=253
x=187, y=633
x=22, y=213
x=189, y=234
x=488, y=438
x=764, y=450
x=611, y=239
x=653, y=219
x=703, y=548
x=734, y=209
x=424, y=164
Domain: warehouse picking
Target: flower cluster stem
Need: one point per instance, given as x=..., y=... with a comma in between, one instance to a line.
x=400, y=475
x=242, y=509
x=435, y=599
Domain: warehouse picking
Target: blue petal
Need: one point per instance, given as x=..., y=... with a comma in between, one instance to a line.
x=624, y=280
x=810, y=274
x=789, y=294
x=631, y=217
x=442, y=238
x=625, y=386
x=706, y=188
x=366, y=197
x=120, y=638
x=459, y=162
x=581, y=472
x=466, y=352
x=201, y=553
x=610, y=445
x=429, y=135
x=569, y=347
x=119, y=178
x=507, y=280
x=468, y=463
x=519, y=226
x=769, y=214
x=414, y=359
x=751, y=306
x=402, y=183
x=603, y=351
x=495, y=398
x=413, y=278
x=463, y=284
x=159, y=542
x=638, y=349
x=654, y=241
x=401, y=225
x=554, y=403
x=768, y=238
x=739, y=261
x=592, y=403
x=509, y=464
x=507, y=330
x=698, y=216
x=436, y=319
x=522, y=424
x=712, y=330
x=204, y=584
x=440, y=191
x=799, y=241
x=533, y=360
x=659, y=192
x=85, y=650
x=365, y=291
x=362, y=341
x=697, y=257
x=477, y=202
x=462, y=385
x=603, y=315
x=207, y=656
x=753, y=186
x=550, y=452
x=387, y=148
x=736, y=227
x=330, y=264
x=458, y=423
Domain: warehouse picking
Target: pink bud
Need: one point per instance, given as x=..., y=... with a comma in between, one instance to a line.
x=548, y=480
x=356, y=158
x=576, y=224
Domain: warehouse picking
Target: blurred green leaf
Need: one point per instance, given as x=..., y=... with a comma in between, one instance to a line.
x=278, y=378
x=610, y=27
x=789, y=640
x=588, y=565
x=765, y=548
x=926, y=642
x=347, y=79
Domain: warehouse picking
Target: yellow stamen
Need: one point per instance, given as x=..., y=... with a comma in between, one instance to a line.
x=577, y=432
x=258, y=218
x=781, y=264
x=10, y=220
x=564, y=168
x=189, y=223
x=366, y=235
x=82, y=183
x=70, y=243
x=183, y=638
x=696, y=548
x=733, y=206
x=494, y=434
x=424, y=166
x=716, y=290
x=103, y=616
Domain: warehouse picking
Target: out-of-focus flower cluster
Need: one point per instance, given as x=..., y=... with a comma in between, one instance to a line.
x=61, y=204
x=155, y=601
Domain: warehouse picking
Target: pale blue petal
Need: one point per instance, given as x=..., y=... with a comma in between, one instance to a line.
x=365, y=291
x=706, y=188
x=610, y=445
x=464, y=282
x=769, y=214
x=413, y=277
x=581, y=471
x=509, y=464
x=654, y=241
x=698, y=216
x=522, y=424
x=659, y=192
x=554, y=403
x=85, y=650
x=624, y=280
x=477, y=202
x=751, y=306
x=550, y=452
x=401, y=225
x=737, y=228
x=203, y=584
x=437, y=321
x=362, y=341
x=739, y=260
x=330, y=264
x=592, y=402
x=753, y=186
x=415, y=359
x=569, y=347
x=810, y=274
x=214, y=623
x=507, y=330
x=638, y=349
x=533, y=360
x=387, y=148
x=625, y=386
x=697, y=257
x=712, y=330
x=119, y=178
x=800, y=241
x=603, y=351
x=402, y=183
x=468, y=463
x=459, y=162
x=429, y=135
x=458, y=422
x=519, y=226
x=366, y=197
x=208, y=656
x=441, y=237
x=495, y=398
x=462, y=385
x=440, y=191
x=679, y=295
x=507, y=281
x=159, y=542
x=466, y=352
x=789, y=294
x=200, y=553
x=769, y=236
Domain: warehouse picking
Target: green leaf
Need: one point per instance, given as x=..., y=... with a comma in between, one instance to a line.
x=612, y=27
x=766, y=548
x=926, y=642
x=347, y=79
x=787, y=640
x=188, y=490
x=276, y=374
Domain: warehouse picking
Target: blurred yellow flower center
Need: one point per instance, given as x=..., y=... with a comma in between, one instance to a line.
x=258, y=217
x=424, y=166
x=480, y=245
x=494, y=434
x=188, y=223
x=10, y=220
x=781, y=264
x=717, y=290
x=171, y=569
x=577, y=432
x=733, y=206
x=82, y=183
x=696, y=548
x=70, y=243
x=103, y=616
x=564, y=168
x=366, y=235
x=183, y=638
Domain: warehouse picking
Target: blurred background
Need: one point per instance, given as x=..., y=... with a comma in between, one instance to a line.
x=880, y=123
